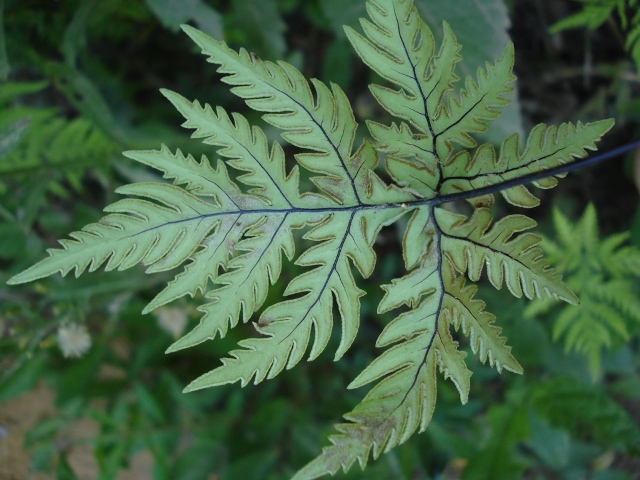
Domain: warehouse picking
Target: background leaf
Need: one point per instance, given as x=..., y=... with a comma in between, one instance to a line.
x=173, y=13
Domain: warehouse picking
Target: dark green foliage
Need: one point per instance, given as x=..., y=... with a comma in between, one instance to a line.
x=595, y=13
x=588, y=413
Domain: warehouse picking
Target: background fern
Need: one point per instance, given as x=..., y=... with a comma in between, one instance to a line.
x=38, y=139
x=603, y=273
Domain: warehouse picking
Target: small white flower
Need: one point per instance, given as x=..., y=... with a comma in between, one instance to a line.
x=74, y=340
x=172, y=320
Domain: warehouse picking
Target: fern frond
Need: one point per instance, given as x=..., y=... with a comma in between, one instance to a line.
x=229, y=223
x=248, y=275
x=203, y=266
x=198, y=178
x=404, y=399
x=400, y=47
x=478, y=103
x=410, y=160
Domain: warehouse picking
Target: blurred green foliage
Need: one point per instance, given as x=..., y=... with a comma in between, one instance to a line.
x=594, y=13
x=80, y=82
x=604, y=274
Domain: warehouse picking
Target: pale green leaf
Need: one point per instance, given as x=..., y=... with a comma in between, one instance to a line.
x=323, y=123
x=136, y=231
x=244, y=147
x=546, y=147
x=467, y=314
x=509, y=258
x=228, y=224
x=287, y=325
x=248, y=275
x=473, y=19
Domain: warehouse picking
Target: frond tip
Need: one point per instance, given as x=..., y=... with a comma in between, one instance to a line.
x=161, y=235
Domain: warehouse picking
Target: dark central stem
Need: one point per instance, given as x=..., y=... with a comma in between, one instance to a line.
x=532, y=177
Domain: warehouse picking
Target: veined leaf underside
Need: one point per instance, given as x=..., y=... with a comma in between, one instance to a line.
x=229, y=231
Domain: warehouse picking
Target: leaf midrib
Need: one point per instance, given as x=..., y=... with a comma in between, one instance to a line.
x=434, y=201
